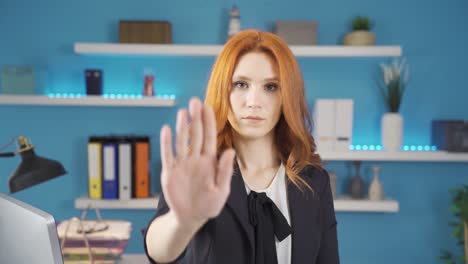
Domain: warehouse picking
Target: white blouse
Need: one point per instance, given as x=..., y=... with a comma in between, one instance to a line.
x=277, y=193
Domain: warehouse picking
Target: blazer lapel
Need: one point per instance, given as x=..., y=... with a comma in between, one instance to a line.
x=304, y=207
x=237, y=201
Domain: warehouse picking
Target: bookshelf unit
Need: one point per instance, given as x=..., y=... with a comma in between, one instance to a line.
x=342, y=204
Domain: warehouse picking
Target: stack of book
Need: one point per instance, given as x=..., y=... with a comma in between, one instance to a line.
x=106, y=242
x=118, y=167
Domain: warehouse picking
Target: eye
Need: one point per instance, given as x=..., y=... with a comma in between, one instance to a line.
x=240, y=84
x=271, y=87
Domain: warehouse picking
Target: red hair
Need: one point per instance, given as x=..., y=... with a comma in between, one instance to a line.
x=293, y=138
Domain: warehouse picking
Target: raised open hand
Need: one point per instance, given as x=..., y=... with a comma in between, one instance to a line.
x=195, y=184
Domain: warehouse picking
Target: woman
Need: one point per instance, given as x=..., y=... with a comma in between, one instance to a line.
x=245, y=185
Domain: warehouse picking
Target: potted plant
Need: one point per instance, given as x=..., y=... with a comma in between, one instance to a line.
x=392, y=82
x=360, y=35
x=460, y=210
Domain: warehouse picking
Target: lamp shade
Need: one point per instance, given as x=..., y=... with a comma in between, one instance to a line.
x=34, y=170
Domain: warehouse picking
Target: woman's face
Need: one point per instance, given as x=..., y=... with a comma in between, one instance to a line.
x=255, y=96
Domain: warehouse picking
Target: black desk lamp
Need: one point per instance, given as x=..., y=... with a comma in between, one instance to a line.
x=33, y=169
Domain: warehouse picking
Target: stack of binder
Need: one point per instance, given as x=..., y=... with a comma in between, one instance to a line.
x=118, y=167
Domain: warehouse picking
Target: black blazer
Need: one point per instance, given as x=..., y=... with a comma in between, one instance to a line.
x=229, y=238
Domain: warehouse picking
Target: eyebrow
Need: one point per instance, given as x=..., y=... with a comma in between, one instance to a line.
x=248, y=79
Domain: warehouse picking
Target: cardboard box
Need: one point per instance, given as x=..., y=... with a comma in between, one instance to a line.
x=145, y=32
x=297, y=32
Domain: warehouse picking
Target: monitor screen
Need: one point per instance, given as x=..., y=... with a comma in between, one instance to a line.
x=27, y=234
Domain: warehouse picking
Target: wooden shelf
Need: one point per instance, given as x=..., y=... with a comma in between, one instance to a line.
x=346, y=204
x=214, y=50
x=403, y=156
x=85, y=101
x=341, y=204
x=142, y=203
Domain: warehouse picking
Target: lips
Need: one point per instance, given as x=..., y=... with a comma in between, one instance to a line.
x=253, y=118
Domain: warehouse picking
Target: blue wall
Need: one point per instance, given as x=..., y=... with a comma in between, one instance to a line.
x=42, y=33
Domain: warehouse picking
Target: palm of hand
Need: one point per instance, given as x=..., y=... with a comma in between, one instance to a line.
x=195, y=184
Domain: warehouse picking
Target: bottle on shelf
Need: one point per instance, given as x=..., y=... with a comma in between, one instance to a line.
x=376, y=191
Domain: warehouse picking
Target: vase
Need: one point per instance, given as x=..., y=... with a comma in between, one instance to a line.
x=392, y=131
x=376, y=191
x=356, y=186
x=359, y=38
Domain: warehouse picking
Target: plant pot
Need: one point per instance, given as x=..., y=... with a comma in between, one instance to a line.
x=392, y=131
x=359, y=38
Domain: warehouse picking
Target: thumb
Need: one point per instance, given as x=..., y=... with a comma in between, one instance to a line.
x=225, y=164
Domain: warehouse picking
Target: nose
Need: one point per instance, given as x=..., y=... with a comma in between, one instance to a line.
x=253, y=97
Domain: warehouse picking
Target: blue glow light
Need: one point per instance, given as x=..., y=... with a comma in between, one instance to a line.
x=403, y=148
x=172, y=96
x=105, y=96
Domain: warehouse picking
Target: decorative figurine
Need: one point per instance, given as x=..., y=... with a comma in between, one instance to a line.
x=234, y=22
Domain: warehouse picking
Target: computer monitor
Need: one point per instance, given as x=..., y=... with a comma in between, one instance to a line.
x=27, y=234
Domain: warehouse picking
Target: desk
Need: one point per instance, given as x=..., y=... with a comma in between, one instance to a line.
x=134, y=259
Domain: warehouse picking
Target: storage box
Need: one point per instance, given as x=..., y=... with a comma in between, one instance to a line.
x=450, y=135
x=333, y=127
x=297, y=32
x=18, y=80
x=145, y=32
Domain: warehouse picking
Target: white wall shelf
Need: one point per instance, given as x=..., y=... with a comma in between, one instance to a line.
x=214, y=50
x=85, y=101
x=341, y=204
x=402, y=156
x=141, y=203
x=346, y=204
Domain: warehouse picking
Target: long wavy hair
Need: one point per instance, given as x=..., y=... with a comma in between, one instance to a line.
x=293, y=138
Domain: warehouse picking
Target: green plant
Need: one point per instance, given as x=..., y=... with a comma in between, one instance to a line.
x=460, y=210
x=361, y=23
x=392, y=82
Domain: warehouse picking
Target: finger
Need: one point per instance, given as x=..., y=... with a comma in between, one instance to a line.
x=209, y=131
x=167, y=155
x=225, y=168
x=182, y=134
x=196, y=128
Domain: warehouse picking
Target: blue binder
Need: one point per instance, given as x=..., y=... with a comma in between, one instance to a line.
x=110, y=187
